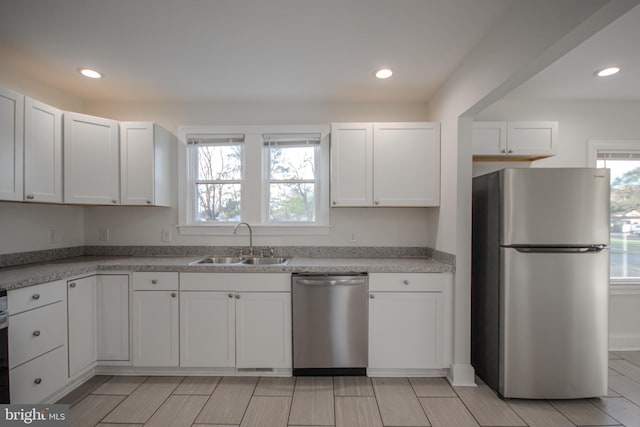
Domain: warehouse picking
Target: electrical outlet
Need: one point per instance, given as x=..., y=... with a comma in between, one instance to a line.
x=104, y=234
x=352, y=237
x=54, y=236
x=166, y=235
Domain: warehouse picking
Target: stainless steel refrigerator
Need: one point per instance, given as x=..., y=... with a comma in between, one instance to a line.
x=539, y=285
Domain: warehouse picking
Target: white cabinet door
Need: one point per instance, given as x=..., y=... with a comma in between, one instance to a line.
x=146, y=153
x=406, y=330
x=113, y=317
x=263, y=330
x=532, y=138
x=42, y=152
x=155, y=328
x=91, y=160
x=11, y=145
x=351, y=164
x=406, y=164
x=489, y=138
x=207, y=329
x=81, y=303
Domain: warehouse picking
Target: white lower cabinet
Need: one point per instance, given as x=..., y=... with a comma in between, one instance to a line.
x=207, y=329
x=263, y=330
x=235, y=320
x=409, y=321
x=155, y=331
x=37, y=341
x=82, y=308
x=113, y=317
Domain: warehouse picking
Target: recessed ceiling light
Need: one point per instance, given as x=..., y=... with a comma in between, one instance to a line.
x=606, y=72
x=384, y=73
x=88, y=72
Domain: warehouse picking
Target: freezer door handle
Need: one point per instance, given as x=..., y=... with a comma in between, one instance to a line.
x=577, y=250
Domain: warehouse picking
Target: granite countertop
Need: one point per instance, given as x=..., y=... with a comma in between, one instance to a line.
x=33, y=274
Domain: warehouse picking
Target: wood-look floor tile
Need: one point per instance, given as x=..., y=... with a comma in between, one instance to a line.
x=80, y=392
x=92, y=409
x=229, y=401
x=432, y=387
x=178, y=411
x=267, y=411
x=120, y=385
x=447, y=412
x=121, y=425
x=313, y=402
x=140, y=405
x=632, y=356
x=614, y=355
x=626, y=387
x=352, y=386
x=583, y=412
x=215, y=425
x=626, y=368
x=487, y=407
x=197, y=385
x=357, y=412
x=539, y=413
x=621, y=409
x=275, y=386
x=611, y=393
x=398, y=403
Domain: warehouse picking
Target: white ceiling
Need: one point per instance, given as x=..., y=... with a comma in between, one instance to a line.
x=244, y=50
x=571, y=77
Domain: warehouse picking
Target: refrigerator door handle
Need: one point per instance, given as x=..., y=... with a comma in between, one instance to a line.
x=565, y=250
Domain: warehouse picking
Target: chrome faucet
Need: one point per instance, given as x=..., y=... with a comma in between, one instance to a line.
x=235, y=231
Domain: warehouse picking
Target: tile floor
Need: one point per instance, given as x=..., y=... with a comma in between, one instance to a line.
x=341, y=401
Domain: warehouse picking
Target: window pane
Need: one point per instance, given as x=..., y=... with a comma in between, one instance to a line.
x=217, y=202
x=292, y=202
x=625, y=217
x=219, y=162
x=292, y=162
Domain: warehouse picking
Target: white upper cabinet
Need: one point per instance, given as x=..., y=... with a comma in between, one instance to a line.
x=351, y=164
x=385, y=164
x=42, y=152
x=91, y=160
x=145, y=162
x=11, y=145
x=406, y=164
x=514, y=140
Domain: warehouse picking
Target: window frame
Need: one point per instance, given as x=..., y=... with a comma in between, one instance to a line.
x=253, y=208
x=616, y=145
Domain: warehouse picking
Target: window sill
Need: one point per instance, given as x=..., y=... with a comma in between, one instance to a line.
x=620, y=287
x=258, y=230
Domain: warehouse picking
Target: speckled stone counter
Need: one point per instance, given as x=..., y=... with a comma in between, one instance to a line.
x=33, y=274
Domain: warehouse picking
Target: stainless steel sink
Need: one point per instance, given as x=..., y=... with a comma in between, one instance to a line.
x=226, y=260
x=265, y=261
x=219, y=260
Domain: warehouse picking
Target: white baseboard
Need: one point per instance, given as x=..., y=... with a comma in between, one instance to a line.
x=462, y=375
x=406, y=372
x=624, y=342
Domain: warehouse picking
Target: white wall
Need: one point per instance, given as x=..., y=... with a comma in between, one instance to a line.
x=26, y=227
x=371, y=227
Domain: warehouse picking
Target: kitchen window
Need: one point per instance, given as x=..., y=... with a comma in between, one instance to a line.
x=623, y=160
x=291, y=165
x=275, y=178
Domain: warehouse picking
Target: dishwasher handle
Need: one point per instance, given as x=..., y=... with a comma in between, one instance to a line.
x=331, y=282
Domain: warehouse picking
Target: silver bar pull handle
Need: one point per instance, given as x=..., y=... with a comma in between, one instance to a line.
x=330, y=282
x=577, y=250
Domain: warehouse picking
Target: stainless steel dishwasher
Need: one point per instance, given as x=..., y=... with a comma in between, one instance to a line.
x=330, y=317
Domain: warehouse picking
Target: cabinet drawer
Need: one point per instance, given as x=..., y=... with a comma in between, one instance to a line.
x=239, y=282
x=39, y=378
x=410, y=282
x=155, y=281
x=36, y=332
x=36, y=296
